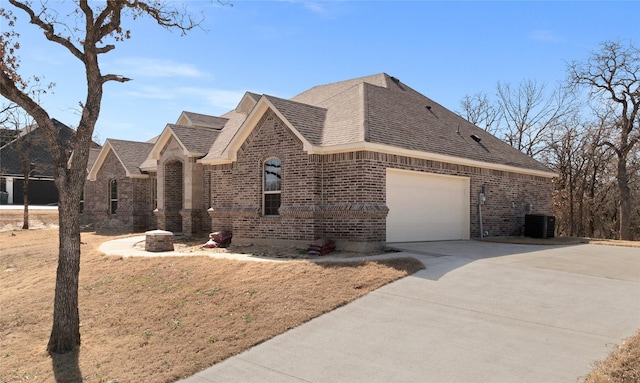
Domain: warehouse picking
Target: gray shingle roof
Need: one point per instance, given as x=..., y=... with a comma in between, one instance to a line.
x=320, y=93
x=205, y=121
x=33, y=143
x=195, y=139
x=226, y=134
x=398, y=116
x=379, y=109
x=307, y=119
x=131, y=153
x=93, y=156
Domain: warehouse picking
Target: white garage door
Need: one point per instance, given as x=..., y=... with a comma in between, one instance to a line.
x=426, y=207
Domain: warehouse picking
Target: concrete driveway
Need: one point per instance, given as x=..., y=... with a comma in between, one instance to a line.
x=480, y=312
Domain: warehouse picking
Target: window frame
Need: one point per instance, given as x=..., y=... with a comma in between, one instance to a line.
x=266, y=192
x=154, y=192
x=113, y=208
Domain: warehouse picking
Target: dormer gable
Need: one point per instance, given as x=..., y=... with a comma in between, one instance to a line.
x=199, y=120
x=246, y=104
x=130, y=155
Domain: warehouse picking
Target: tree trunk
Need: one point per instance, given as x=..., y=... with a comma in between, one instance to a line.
x=25, y=198
x=65, y=333
x=572, y=222
x=625, y=207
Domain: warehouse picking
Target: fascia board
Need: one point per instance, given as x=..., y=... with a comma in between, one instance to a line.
x=184, y=116
x=230, y=154
x=164, y=138
x=126, y=171
x=93, y=173
x=149, y=165
x=306, y=145
x=245, y=98
x=92, y=176
x=215, y=161
x=367, y=146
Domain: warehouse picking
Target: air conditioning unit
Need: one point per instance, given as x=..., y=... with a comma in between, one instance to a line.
x=539, y=226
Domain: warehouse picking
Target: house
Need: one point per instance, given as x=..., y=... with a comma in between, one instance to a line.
x=117, y=194
x=363, y=161
x=30, y=145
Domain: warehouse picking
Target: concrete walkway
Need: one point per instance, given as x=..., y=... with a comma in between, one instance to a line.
x=480, y=312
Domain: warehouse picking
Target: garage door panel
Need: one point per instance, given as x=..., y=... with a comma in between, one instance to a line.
x=425, y=206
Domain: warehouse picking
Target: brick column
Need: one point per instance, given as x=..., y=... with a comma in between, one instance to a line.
x=191, y=222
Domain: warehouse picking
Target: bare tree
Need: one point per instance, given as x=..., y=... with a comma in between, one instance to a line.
x=523, y=116
x=480, y=111
x=582, y=190
x=528, y=114
x=23, y=125
x=611, y=75
x=99, y=27
x=16, y=119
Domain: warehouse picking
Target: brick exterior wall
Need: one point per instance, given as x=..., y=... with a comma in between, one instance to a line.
x=173, y=196
x=236, y=190
x=343, y=196
x=134, y=211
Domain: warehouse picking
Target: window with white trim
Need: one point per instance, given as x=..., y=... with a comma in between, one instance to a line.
x=154, y=192
x=113, y=196
x=272, y=188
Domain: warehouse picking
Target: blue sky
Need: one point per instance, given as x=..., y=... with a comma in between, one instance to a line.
x=444, y=50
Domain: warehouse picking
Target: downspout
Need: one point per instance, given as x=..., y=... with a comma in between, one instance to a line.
x=482, y=198
x=480, y=216
x=322, y=207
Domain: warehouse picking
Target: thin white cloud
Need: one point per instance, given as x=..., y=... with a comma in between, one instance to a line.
x=545, y=36
x=214, y=97
x=318, y=7
x=150, y=92
x=315, y=7
x=217, y=98
x=149, y=67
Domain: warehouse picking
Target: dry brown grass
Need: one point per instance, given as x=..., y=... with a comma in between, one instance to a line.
x=622, y=366
x=161, y=319
x=38, y=219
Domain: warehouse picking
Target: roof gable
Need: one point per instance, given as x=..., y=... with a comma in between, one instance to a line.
x=130, y=155
x=320, y=93
x=308, y=130
x=307, y=120
x=93, y=156
x=199, y=120
x=248, y=101
x=194, y=141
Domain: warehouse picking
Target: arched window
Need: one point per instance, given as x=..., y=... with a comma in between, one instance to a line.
x=272, y=186
x=113, y=196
